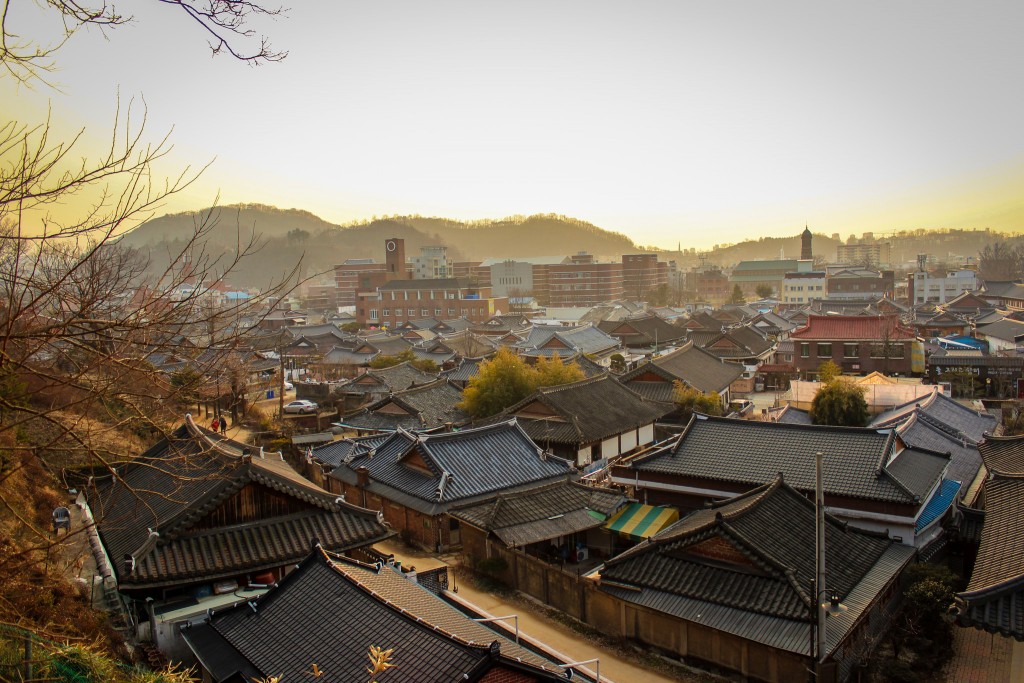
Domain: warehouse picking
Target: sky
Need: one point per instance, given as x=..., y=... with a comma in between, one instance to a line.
x=673, y=122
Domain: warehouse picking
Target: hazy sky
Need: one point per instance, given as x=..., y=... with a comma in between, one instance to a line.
x=676, y=121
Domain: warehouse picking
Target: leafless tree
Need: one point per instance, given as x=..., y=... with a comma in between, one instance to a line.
x=83, y=319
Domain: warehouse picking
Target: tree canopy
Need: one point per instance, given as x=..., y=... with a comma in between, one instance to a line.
x=690, y=400
x=828, y=371
x=505, y=379
x=840, y=403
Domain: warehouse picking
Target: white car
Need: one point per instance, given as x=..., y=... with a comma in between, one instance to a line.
x=288, y=386
x=301, y=406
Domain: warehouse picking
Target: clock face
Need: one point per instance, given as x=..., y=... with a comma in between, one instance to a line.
x=390, y=245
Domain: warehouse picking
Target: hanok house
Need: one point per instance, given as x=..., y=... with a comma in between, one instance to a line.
x=688, y=364
x=859, y=344
x=426, y=408
x=994, y=599
x=645, y=332
x=324, y=617
x=732, y=585
x=414, y=479
x=196, y=522
x=561, y=522
x=871, y=479
x=590, y=420
x=373, y=385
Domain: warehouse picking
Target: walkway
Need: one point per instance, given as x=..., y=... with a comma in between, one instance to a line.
x=555, y=635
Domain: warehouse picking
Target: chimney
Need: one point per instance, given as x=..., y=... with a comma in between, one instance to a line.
x=362, y=477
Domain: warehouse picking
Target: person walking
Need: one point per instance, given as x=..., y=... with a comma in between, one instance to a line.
x=215, y=425
x=224, y=425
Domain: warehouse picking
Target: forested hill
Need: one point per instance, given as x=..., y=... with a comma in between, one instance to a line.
x=287, y=235
x=290, y=234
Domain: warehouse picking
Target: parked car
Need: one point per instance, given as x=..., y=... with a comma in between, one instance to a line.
x=288, y=386
x=301, y=406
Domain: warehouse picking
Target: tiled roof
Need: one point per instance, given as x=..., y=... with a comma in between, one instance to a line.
x=367, y=606
x=423, y=408
x=1004, y=289
x=753, y=453
x=1003, y=454
x=738, y=342
x=994, y=599
x=546, y=340
x=542, y=513
x=794, y=416
x=1004, y=330
x=693, y=366
x=647, y=330
x=585, y=411
x=943, y=412
x=702, y=320
x=965, y=461
x=469, y=345
x=395, y=378
x=753, y=554
x=465, y=370
x=853, y=328
x=456, y=466
x=187, y=475
x=332, y=454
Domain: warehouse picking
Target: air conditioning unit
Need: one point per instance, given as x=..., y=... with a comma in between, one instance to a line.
x=582, y=554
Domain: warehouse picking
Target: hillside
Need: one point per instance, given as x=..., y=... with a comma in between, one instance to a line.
x=288, y=235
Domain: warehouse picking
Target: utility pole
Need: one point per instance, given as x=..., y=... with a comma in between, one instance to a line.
x=819, y=523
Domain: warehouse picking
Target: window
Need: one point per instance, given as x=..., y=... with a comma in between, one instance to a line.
x=398, y=311
x=424, y=312
x=465, y=312
x=824, y=350
x=451, y=312
x=387, y=312
x=437, y=312
x=896, y=351
x=373, y=314
x=878, y=350
x=851, y=350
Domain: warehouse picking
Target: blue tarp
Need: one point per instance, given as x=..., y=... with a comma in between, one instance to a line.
x=939, y=503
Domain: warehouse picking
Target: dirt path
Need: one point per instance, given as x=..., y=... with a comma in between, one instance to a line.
x=620, y=667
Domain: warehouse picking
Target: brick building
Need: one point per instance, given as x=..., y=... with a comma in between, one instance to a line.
x=857, y=343
x=581, y=282
x=642, y=273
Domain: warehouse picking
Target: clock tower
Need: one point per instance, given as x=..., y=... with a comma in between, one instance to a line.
x=394, y=259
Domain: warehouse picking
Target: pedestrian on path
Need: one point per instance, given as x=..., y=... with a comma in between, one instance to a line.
x=224, y=426
x=214, y=425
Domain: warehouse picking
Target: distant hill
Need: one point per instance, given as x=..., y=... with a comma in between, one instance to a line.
x=288, y=235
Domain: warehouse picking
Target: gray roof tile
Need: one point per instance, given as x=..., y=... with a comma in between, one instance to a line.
x=753, y=453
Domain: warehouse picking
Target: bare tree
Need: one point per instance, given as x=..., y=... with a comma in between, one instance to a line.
x=85, y=320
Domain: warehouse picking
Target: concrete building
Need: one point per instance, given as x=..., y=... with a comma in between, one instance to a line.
x=432, y=263
x=923, y=287
x=847, y=283
x=804, y=285
x=866, y=254
x=520, y=277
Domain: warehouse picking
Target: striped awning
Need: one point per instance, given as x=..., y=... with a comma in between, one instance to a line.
x=638, y=521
